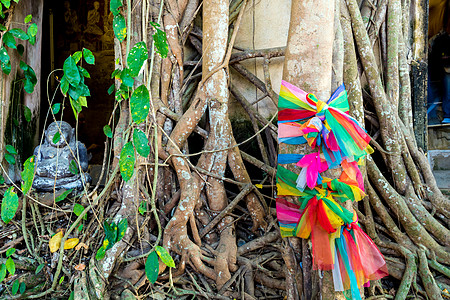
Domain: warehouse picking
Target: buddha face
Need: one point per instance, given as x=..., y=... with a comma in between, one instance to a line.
x=96, y=5
x=65, y=134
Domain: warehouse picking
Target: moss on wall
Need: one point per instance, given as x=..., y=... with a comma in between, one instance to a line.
x=18, y=131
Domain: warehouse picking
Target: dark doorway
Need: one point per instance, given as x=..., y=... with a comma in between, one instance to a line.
x=70, y=26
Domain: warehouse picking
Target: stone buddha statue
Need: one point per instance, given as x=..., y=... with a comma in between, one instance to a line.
x=54, y=166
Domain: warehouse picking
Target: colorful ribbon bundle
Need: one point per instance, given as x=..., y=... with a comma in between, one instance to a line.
x=338, y=141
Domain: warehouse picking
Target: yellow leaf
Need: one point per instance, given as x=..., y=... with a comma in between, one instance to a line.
x=55, y=242
x=70, y=243
x=259, y=186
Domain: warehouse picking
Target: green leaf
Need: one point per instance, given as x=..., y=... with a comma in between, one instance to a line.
x=6, y=3
x=136, y=58
x=10, y=203
x=22, y=287
x=100, y=253
x=111, y=89
x=30, y=80
x=2, y=272
x=122, y=229
x=88, y=56
x=71, y=71
x=20, y=49
x=142, y=208
x=107, y=131
x=152, y=267
x=165, y=256
x=76, y=107
x=56, y=108
x=11, y=149
x=114, y=6
x=32, y=40
x=110, y=235
x=73, y=167
x=6, y=68
x=19, y=33
x=39, y=268
x=27, y=113
x=140, y=104
x=116, y=74
x=61, y=280
x=9, y=40
x=81, y=90
x=23, y=65
x=10, y=266
x=28, y=19
x=10, y=252
x=120, y=27
x=78, y=210
x=28, y=174
x=64, y=85
x=126, y=78
x=15, y=287
x=9, y=158
x=56, y=138
x=63, y=195
x=72, y=296
x=126, y=161
x=83, y=102
x=140, y=142
x=2, y=27
x=80, y=227
x=160, y=41
x=77, y=56
x=32, y=30
x=84, y=72
x=2, y=179
x=4, y=56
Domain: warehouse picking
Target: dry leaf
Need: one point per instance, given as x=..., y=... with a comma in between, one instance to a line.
x=70, y=243
x=80, y=267
x=81, y=245
x=55, y=242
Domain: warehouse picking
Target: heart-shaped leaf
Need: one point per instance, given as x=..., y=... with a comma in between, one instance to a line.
x=56, y=108
x=2, y=272
x=9, y=40
x=55, y=242
x=88, y=56
x=28, y=174
x=165, y=256
x=27, y=113
x=71, y=71
x=140, y=141
x=10, y=204
x=120, y=27
x=10, y=266
x=140, y=104
x=114, y=6
x=126, y=161
x=136, y=58
x=152, y=267
x=107, y=131
x=11, y=149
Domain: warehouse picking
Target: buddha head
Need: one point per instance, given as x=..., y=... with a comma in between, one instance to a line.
x=66, y=135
